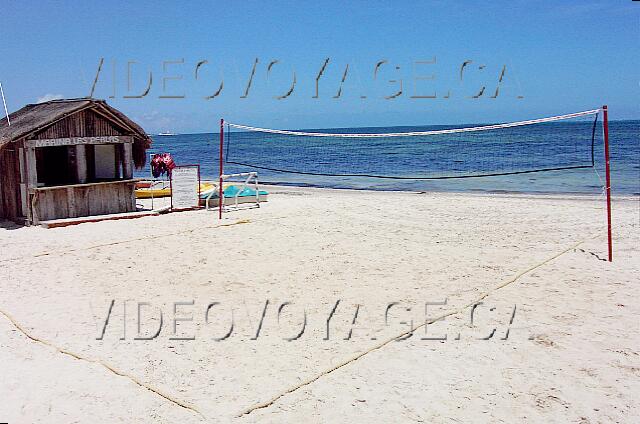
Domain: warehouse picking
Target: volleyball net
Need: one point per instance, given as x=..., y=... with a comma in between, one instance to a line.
x=546, y=144
x=563, y=142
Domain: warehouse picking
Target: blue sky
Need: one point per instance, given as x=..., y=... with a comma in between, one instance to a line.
x=560, y=57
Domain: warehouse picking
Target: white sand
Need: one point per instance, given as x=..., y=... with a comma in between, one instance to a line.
x=573, y=352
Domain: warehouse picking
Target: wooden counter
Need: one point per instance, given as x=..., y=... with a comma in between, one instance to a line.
x=75, y=200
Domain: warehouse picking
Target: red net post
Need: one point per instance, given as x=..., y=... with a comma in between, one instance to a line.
x=221, y=167
x=605, y=121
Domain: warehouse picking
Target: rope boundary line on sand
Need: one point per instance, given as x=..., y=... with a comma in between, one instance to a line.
x=97, y=246
x=505, y=283
x=177, y=233
x=108, y=367
x=266, y=404
x=79, y=357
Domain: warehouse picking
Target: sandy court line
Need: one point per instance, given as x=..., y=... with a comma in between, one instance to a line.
x=325, y=245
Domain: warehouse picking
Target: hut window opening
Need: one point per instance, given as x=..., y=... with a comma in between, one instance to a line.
x=105, y=162
x=58, y=165
x=55, y=166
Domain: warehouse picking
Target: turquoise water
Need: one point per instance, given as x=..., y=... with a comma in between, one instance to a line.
x=543, y=146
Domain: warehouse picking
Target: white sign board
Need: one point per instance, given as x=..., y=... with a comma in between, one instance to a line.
x=185, y=185
x=106, y=139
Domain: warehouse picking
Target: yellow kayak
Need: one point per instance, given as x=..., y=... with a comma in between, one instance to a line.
x=162, y=189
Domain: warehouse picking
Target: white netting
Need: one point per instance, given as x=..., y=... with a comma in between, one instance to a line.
x=419, y=133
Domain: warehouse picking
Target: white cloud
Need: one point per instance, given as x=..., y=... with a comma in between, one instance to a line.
x=48, y=97
x=154, y=121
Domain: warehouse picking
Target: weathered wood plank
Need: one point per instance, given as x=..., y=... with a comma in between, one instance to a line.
x=108, y=217
x=24, y=200
x=81, y=124
x=9, y=178
x=4, y=190
x=23, y=184
x=132, y=197
x=122, y=199
x=32, y=172
x=23, y=175
x=35, y=214
x=82, y=204
x=71, y=201
x=81, y=163
x=3, y=213
x=58, y=204
x=127, y=161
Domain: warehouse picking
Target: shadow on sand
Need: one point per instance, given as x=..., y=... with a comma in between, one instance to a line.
x=9, y=225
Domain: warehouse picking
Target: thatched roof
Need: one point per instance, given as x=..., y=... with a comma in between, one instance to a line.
x=36, y=117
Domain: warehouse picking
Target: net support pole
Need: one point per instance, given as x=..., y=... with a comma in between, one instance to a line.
x=605, y=122
x=221, y=168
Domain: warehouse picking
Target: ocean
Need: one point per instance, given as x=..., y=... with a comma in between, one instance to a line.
x=406, y=158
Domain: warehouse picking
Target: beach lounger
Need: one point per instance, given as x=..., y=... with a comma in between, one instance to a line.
x=233, y=195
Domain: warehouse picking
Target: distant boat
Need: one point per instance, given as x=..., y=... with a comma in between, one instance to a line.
x=166, y=133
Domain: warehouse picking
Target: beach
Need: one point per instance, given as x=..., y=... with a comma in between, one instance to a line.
x=272, y=330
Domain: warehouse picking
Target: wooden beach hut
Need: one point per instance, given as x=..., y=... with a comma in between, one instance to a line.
x=67, y=159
